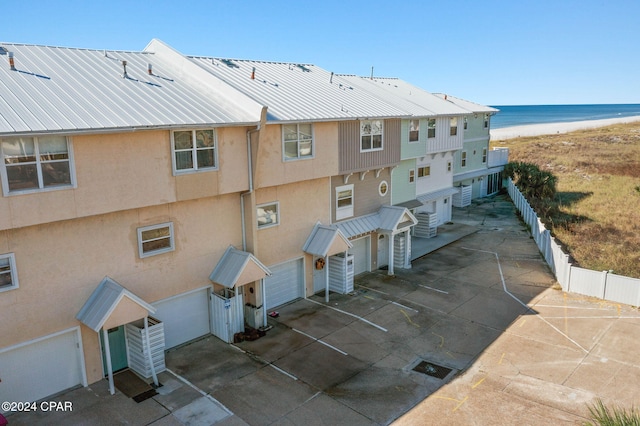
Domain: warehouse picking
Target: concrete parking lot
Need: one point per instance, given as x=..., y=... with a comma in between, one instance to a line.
x=475, y=333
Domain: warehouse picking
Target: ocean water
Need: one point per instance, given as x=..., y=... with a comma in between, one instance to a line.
x=518, y=115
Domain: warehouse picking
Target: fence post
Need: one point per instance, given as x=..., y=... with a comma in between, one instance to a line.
x=605, y=275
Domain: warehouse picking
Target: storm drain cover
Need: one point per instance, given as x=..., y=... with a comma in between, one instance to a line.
x=431, y=369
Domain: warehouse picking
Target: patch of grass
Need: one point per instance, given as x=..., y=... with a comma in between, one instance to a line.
x=595, y=212
x=601, y=415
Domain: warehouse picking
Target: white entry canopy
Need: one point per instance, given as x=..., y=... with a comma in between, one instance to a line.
x=112, y=305
x=395, y=218
x=326, y=241
x=237, y=267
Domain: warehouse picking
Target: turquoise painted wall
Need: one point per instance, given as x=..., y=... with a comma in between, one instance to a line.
x=413, y=149
x=401, y=189
x=474, y=156
x=475, y=127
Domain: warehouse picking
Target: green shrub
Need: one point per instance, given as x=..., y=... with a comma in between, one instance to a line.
x=531, y=180
x=603, y=416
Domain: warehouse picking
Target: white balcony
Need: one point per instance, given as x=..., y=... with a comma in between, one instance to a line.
x=498, y=156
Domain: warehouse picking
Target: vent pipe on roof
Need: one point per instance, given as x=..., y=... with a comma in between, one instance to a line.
x=371, y=73
x=331, y=78
x=253, y=73
x=124, y=66
x=11, y=63
x=150, y=69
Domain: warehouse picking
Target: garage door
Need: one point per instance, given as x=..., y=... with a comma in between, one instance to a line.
x=285, y=284
x=185, y=317
x=42, y=368
x=360, y=252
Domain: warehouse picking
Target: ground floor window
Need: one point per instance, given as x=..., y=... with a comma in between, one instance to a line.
x=8, y=275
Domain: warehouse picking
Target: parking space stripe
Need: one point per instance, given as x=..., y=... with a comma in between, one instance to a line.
x=405, y=307
x=350, y=314
x=320, y=341
x=283, y=372
x=434, y=289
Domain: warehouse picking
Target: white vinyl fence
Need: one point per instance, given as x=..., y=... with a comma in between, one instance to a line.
x=603, y=285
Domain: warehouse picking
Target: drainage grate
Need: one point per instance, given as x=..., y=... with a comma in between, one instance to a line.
x=433, y=370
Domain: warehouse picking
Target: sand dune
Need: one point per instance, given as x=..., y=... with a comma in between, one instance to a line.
x=552, y=128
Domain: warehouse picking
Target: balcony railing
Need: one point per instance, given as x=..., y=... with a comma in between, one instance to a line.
x=498, y=157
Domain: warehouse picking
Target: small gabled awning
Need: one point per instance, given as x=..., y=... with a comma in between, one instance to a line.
x=326, y=241
x=111, y=305
x=237, y=267
x=394, y=218
x=435, y=195
x=359, y=225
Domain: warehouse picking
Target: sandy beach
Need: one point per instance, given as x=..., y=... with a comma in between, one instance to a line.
x=553, y=128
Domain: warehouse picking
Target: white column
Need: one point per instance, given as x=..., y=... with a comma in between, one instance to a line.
x=391, y=255
x=107, y=357
x=407, y=249
x=326, y=278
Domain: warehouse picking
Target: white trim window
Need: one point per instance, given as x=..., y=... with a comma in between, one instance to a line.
x=155, y=239
x=484, y=155
x=412, y=175
x=297, y=141
x=268, y=215
x=431, y=128
x=465, y=124
x=8, y=272
x=424, y=171
x=463, y=159
x=193, y=150
x=449, y=166
x=486, y=121
x=371, y=135
x=414, y=130
x=453, y=126
x=36, y=164
x=344, y=202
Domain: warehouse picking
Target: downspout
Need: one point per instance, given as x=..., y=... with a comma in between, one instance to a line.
x=250, y=167
x=263, y=115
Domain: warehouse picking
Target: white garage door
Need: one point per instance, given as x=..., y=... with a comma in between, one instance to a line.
x=185, y=316
x=285, y=284
x=360, y=252
x=42, y=368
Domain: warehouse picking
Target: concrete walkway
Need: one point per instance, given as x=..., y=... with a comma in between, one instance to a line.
x=474, y=333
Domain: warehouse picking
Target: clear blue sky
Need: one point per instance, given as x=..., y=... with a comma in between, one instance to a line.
x=510, y=52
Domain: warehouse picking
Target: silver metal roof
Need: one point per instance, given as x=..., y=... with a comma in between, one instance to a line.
x=430, y=196
x=322, y=238
x=410, y=98
x=57, y=89
x=231, y=265
x=387, y=218
x=300, y=92
x=468, y=105
x=103, y=301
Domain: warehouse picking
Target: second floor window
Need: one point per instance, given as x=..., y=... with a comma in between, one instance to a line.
x=193, y=150
x=370, y=135
x=424, y=171
x=453, y=126
x=486, y=121
x=414, y=130
x=431, y=128
x=155, y=239
x=37, y=163
x=484, y=155
x=344, y=202
x=297, y=140
x=463, y=159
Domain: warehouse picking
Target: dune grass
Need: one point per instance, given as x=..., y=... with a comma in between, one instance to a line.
x=595, y=213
